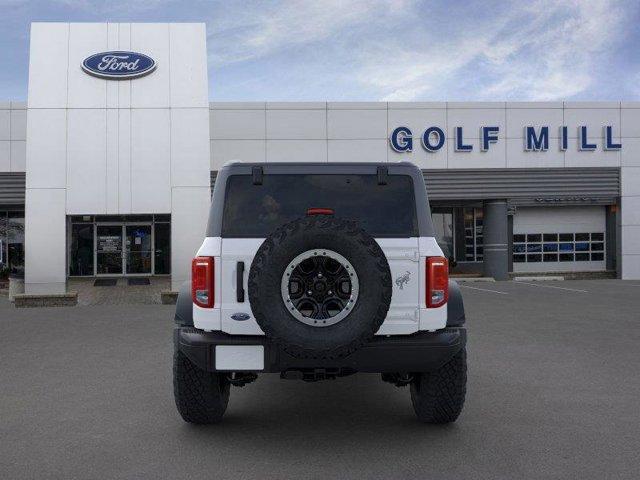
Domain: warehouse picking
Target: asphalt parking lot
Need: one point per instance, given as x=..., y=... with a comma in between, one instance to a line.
x=554, y=389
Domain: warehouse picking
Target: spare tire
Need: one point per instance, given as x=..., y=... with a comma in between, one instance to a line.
x=320, y=287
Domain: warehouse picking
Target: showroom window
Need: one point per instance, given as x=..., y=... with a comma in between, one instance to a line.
x=473, y=238
x=11, y=242
x=558, y=247
x=115, y=245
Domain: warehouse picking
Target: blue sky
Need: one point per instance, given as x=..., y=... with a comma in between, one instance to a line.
x=363, y=50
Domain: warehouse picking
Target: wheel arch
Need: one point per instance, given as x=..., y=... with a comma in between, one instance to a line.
x=184, y=306
x=455, y=306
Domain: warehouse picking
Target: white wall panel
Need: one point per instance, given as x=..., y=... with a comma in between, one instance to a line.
x=45, y=241
x=598, y=158
x=592, y=118
x=518, y=118
x=150, y=161
x=113, y=43
x=18, y=156
x=296, y=124
x=237, y=124
x=188, y=223
x=152, y=91
x=630, y=211
x=189, y=145
x=188, y=56
x=630, y=120
x=495, y=157
x=124, y=86
x=358, y=150
x=86, y=91
x=631, y=239
x=472, y=119
x=48, y=62
x=630, y=268
x=86, y=161
x=47, y=148
x=630, y=181
x=357, y=124
x=5, y=124
x=630, y=153
x=111, y=162
x=5, y=156
x=517, y=157
x=223, y=151
x=18, y=124
x=296, y=151
x=124, y=161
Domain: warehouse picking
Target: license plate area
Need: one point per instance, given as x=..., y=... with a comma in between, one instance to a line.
x=239, y=357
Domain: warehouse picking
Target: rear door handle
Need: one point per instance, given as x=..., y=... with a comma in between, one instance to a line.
x=240, y=282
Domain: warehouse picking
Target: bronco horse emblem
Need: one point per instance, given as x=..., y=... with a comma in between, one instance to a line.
x=403, y=279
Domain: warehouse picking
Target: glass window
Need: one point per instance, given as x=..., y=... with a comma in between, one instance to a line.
x=565, y=251
x=582, y=246
x=443, y=226
x=15, y=241
x=597, y=257
x=550, y=237
x=519, y=258
x=163, y=248
x=597, y=247
x=519, y=238
x=519, y=248
x=582, y=257
x=534, y=247
x=597, y=237
x=534, y=258
x=257, y=210
x=81, y=251
x=550, y=257
x=581, y=237
x=536, y=237
x=566, y=237
x=550, y=247
x=566, y=257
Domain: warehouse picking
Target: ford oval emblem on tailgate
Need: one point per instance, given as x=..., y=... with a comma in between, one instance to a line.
x=241, y=317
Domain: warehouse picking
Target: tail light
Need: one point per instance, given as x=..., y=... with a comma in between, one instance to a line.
x=320, y=211
x=437, y=281
x=202, y=269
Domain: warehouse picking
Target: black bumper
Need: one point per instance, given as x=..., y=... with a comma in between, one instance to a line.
x=419, y=352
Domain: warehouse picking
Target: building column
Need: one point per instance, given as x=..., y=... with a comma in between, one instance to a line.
x=495, y=240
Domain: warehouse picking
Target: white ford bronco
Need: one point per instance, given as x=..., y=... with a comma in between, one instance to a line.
x=317, y=271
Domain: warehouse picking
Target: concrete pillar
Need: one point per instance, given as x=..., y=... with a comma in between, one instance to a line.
x=495, y=237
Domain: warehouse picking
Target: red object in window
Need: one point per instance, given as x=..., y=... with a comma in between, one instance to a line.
x=437, y=281
x=202, y=284
x=320, y=211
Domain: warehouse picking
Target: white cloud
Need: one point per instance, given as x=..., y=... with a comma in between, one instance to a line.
x=546, y=51
x=261, y=29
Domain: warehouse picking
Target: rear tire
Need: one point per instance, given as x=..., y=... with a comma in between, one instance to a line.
x=201, y=397
x=438, y=397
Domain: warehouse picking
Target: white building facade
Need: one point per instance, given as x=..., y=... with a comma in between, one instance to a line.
x=118, y=171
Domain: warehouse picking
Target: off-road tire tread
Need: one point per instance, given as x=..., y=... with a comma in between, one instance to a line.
x=344, y=227
x=201, y=397
x=438, y=397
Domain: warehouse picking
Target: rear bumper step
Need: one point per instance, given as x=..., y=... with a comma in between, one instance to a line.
x=419, y=352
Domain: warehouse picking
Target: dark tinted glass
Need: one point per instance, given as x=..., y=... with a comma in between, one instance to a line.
x=550, y=237
x=597, y=237
x=534, y=237
x=566, y=237
x=581, y=237
x=518, y=237
x=257, y=210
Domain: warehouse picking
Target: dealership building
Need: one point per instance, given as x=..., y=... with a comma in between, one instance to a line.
x=107, y=168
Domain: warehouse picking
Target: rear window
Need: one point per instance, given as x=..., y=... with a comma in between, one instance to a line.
x=381, y=210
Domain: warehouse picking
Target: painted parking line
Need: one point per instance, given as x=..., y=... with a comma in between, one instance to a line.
x=552, y=286
x=483, y=289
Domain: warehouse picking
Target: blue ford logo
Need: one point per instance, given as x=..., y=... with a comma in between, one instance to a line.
x=118, y=65
x=241, y=317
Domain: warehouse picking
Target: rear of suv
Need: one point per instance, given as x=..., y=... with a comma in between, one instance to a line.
x=317, y=271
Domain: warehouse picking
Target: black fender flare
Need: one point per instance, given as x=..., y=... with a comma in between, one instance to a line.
x=184, y=306
x=455, y=306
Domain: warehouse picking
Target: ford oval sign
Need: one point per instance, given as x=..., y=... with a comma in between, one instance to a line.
x=118, y=65
x=240, y=317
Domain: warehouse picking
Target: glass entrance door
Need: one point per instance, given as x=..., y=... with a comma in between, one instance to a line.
x=109, y=250
x=139, y=250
